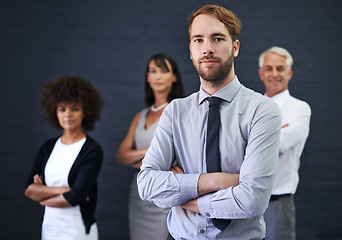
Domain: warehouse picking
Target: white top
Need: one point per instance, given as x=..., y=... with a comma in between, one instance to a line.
x=63, y=223
x=296, y=114
x=60, y=162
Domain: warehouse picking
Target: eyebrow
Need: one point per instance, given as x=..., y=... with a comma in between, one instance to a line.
x=212, y=35
x=278, y=66
x=218, y=35
x=196, y=36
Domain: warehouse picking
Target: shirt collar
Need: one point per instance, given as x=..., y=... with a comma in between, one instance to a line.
x=227, y=93
x=280, y=97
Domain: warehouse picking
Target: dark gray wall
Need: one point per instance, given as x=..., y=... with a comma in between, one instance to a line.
x=108, y=42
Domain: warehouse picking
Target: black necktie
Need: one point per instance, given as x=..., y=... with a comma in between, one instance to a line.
x=212, y=148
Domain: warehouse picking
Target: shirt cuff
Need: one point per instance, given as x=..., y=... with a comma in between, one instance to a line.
x=188, y=185
x=204, y=206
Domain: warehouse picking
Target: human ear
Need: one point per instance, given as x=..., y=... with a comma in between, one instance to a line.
x=260, y=74
x=290, y=73
x=236, y=46
x=174, y=79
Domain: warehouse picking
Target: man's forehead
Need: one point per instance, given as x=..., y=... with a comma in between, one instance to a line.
x=271, y=64
x=275, y=55
x=209, y=24
x=274, y=59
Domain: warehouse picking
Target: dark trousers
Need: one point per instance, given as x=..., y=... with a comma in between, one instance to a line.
x=280, y=218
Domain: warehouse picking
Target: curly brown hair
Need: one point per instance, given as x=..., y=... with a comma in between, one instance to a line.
x=71, y=89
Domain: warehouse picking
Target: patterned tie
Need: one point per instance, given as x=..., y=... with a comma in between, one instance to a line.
x=212, y=148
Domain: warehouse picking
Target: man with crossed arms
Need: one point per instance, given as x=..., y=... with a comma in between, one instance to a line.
x=248, y=142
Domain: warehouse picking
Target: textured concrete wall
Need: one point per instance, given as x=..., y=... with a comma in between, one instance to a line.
x=108, y=42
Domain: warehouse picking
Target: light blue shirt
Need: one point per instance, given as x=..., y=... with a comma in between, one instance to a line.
x=249, y=145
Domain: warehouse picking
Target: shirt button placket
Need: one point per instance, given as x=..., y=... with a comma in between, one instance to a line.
x=202, y=228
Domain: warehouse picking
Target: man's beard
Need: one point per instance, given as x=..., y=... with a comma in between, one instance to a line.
x=218, y=76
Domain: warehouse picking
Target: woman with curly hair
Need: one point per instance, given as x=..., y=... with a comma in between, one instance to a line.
x=163, y=83
x=64, y=174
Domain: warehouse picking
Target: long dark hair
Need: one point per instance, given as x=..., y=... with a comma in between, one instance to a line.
x=177, y=90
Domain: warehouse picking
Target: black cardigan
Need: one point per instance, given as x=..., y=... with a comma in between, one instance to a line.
x=82, y=176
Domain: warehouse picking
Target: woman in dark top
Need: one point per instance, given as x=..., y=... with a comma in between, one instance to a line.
x=64, y=174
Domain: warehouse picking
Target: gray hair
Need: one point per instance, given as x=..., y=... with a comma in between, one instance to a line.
x=278, y=50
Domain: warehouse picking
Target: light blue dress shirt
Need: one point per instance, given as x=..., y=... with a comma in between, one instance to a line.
x=249, y=145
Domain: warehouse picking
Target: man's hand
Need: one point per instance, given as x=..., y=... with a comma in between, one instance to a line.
x=191, y=206
x=176, y=169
